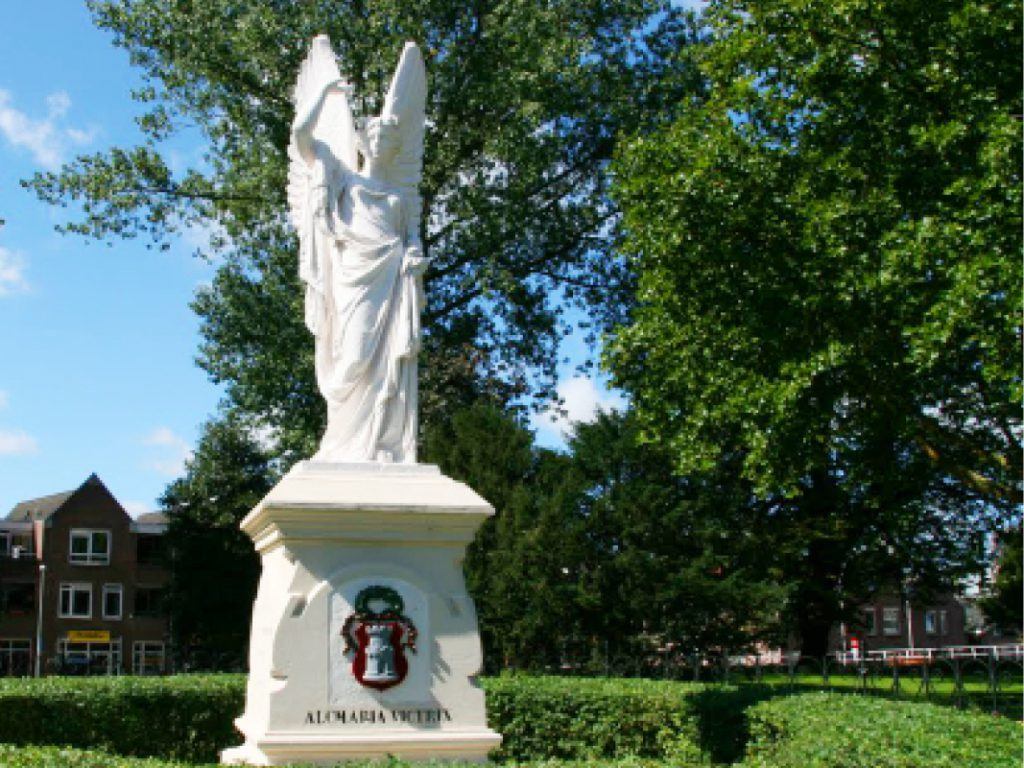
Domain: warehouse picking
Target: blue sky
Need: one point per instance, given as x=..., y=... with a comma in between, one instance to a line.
x=96, y=339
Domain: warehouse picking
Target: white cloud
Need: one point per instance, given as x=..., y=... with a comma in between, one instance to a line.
x=136, y=508
x=58, y=104
x=17, y=443
x=47, y=139
x=174, y=452
x=82, y=137
x=12, y=272
x=581, y=399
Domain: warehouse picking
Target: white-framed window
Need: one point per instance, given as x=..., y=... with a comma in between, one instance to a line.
x=870, y=621
x=15, y=544
x=148, y=657
x=89, y=546
x=943, y=623
x=90, y=658
x=890, y=621
x=75, y=601
x=931, y=622
x=113, y=601
x=15, y=657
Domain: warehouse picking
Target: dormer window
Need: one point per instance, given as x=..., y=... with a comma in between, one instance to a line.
x=90, y=547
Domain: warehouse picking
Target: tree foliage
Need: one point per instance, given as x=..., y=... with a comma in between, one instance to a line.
x=1004, y=606
x=601, y=555
x=214, y=568
x=828, y=250
x=526, y=103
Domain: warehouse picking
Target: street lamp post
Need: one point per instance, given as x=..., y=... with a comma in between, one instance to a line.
x=39, y=620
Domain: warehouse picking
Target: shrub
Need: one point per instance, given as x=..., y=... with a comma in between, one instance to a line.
x=184, y=717
x=69, y=757
x=825, y=730
x=609, y=723
x=580, y=718
x=190, y=717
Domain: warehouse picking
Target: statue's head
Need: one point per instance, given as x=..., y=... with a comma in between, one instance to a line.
x=381, y=139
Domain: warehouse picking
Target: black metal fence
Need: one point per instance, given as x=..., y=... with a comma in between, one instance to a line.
x=989, y=678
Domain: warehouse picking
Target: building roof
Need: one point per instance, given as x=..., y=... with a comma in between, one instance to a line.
x=38, y=509
x=45, y=506
x=152, y=518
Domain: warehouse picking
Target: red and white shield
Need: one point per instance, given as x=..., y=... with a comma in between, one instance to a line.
x=378, y=635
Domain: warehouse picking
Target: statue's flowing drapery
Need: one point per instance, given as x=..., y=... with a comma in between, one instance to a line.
x=367, y=337
x=355, y=204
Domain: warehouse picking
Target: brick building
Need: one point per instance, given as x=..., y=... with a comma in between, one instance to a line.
x=889, y=622
x=99, y=577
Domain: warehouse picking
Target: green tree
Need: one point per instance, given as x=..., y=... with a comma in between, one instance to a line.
x=1004, y=607
x=214, y=568
x=599, y=554
x=493, y=452
x=829, y=284
x=526, y=103
x=683, y=559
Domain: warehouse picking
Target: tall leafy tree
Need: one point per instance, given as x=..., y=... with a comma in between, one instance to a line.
x=593, y=549
x=1004, y=606
x=213, y=566
x=492, y=451
x=526, y=103
x=683, y=559
x=828, y=250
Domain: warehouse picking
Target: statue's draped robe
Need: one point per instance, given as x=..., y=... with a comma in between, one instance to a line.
x=364, y=312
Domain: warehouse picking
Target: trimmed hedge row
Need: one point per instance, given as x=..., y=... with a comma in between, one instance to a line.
x=189, y=717
x=596, y=722
x=184, y=717
x=830, y=730
x=587, y=718
x=69, y=757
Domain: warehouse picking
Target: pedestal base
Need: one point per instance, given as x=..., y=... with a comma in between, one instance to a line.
x=364, y=640
x=284, y=749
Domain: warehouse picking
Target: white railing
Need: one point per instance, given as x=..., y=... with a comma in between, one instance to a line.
x=1013, y=652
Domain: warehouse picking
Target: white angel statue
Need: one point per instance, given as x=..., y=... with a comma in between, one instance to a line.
x=354, y=199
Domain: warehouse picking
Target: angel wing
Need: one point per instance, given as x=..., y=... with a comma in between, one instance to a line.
x=324, y=130
x=406, y=100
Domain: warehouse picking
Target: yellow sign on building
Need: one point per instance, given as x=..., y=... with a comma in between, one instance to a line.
x=88, y=636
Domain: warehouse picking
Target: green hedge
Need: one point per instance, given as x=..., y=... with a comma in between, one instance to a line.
x=189, y=717
x=829, y=730
x=69, y=757
x=185, y=717
x=596, y=722
x=580, y=718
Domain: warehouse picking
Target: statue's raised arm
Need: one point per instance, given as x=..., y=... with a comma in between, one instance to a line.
x=355, y=203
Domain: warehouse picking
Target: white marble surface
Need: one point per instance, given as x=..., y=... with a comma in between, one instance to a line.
x=324, y=533
x=355, y=204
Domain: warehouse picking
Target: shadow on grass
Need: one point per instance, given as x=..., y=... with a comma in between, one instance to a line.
x=721, y=715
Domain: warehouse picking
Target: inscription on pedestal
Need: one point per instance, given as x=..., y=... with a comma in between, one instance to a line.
x=418, y=716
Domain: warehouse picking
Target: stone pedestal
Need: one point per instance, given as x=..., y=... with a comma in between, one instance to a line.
x=331, y=537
